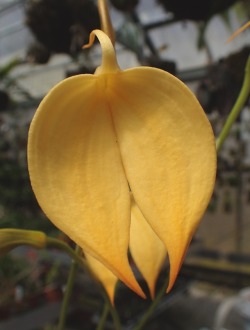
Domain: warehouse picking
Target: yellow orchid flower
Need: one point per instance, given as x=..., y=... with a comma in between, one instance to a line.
x=97, y=139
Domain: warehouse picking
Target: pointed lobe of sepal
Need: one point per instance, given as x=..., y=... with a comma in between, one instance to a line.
x=147, y=250
x=103, y=275
x=168, y=153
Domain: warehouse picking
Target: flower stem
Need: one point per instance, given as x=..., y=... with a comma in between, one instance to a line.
x=103, y=318
x=152, y=307
x=106, y=24
x=241, y=100
x=113, y=312
x=68, y=291
x=61, y=245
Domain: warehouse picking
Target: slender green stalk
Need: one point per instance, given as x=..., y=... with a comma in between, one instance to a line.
x=107, y=302
x=103, y=318
x=112, y=310
x=68, y=291
x=115, y=317
x=152, y=307
x=241, y=100
x=61, y=245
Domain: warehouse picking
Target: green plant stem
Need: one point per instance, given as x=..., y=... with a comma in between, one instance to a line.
x=68, y=291
x=61, y=245
x=113, y=312
x=103, y=318
x=241, y=100
x=152, y=307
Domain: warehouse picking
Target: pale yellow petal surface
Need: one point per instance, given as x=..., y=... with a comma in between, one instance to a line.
x=104, y=275
x=146, y=248
x=168, y=152
x=76, y=171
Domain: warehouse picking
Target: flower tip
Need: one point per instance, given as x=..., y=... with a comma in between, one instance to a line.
x=111, y=294
x=112, y=300
x=91, y=40
x=174, y=271
x=151, y=288
x=170, y=286
x=137, y=289
x=152, y=292
x=134, y=286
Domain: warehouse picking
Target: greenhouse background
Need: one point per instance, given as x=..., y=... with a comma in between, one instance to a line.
x=213, y=288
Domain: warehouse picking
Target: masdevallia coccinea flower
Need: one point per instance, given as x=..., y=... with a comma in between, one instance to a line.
x=95, y=140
